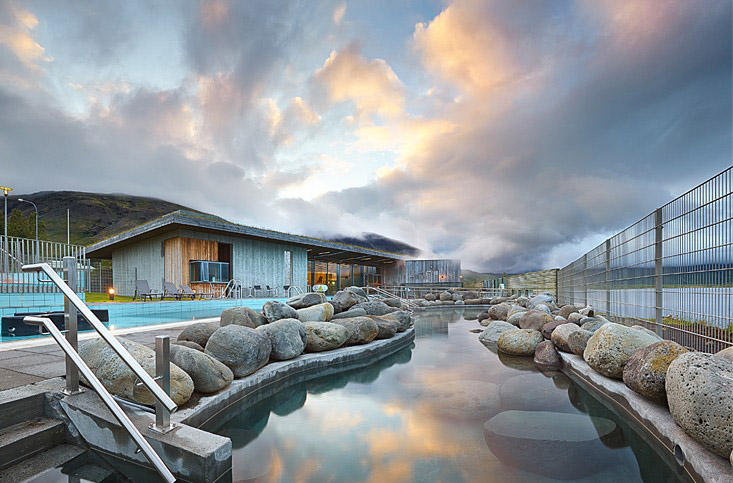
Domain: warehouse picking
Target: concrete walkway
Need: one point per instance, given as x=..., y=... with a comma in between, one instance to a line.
x=32, y=360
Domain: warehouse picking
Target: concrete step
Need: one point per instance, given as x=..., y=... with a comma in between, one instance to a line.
x=23, y=440
x=21, y=404
x=42, y=466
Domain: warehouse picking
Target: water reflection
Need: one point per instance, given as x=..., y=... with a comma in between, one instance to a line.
x=420, y=414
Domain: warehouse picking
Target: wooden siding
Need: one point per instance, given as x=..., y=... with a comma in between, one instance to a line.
x=180, y=251
x=433, y=272
x=541, y=281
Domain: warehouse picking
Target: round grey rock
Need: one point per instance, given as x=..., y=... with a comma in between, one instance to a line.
x=375, y=308
x=241, y=349
x=700, y=396
x=535, y=319
x=610, y=348
x=208, y=374
x=560, y=336
x=546, y=356
x=490, y=335
x=287, y=336
x=325, y=336
x=244, y=316
x=316, y=313
x=577, y=341
x=519, y=342
x=189, y=344
x=499, y=312
x=304, y=300
x=274, y=310
x=361, y=329
x=350, y=313
x=198, y=333
x=646, y=371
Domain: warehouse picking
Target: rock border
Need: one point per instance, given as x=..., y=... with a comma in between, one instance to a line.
x=700, y=464
x=283, y=373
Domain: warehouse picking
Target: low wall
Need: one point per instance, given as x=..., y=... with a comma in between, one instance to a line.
x=655, y=419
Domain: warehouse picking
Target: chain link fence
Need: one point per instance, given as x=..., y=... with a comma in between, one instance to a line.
x=671, y=272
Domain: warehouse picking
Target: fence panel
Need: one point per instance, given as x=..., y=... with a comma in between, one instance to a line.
x=672, y=271
x=16, y=252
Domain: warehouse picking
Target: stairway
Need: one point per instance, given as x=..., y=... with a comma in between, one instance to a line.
x=33, y=446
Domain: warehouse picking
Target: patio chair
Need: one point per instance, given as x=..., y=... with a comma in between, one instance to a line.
x=143, y=290
x=185, y=292
x=170, y=290
x=270, y=291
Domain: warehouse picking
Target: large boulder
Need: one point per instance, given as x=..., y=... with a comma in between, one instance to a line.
x=499, y=312
x=352, y=312
x=646, y=371
x=189, y=344
x=445, y=296
x=208, y=374
x=534, y=319
x=483, y=316
x=304, y=300
x=515, y=318
x=519, y=342
x=361, y=329
x=726, y=353
x=316, y=313
x=274, y=310
x=325, y=336
x=549, y=327
x=610, y=348
x=387, y=328
x=241, y=349
x=540, y=299
x=375, y=308
x=700, y=396
x=578, y=340
x=490, y=335
x=401, y=318
x=359, y=292
x=545, y=355
x=560, y=336
x=430, y=297
x=575, y=317
x=592, y=325
x=552, y=444
x=522, y=301
x=396, y=303
x=346, y=299
x=566, y=310
x=198, y=333
x=472, y=301
x=543, y=308
x=242, y=316
x=287, y=337
x=119, y=379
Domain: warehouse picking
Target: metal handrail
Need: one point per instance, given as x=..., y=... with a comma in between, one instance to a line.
x=389, y=294
x=106, y=397
x=298, y=290
x=134, y=366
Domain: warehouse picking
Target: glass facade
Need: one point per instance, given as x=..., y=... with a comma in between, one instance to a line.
x=206, y=271
x=341, y=275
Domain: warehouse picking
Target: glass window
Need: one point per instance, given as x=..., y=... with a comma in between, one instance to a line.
x=206, y=271
x=346, y=280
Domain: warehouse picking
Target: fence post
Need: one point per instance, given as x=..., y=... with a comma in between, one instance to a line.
x=658, y=269
x=585, y=279
x=162, y=422
x=70, y=320
x=608, y=270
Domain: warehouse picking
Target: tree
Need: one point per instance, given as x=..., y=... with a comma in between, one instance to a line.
x=23, y=226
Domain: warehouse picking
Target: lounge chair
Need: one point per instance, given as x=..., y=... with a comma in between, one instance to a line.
x=170, y=290
x=143, y=290
x=270, y=291
x=258, y=289
x=185, y=292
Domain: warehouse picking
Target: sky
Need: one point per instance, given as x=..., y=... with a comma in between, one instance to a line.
x=512, y=135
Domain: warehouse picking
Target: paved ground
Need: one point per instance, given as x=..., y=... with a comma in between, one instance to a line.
x=27, y=365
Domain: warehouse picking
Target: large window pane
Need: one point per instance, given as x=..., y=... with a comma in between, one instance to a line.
x=206, y=271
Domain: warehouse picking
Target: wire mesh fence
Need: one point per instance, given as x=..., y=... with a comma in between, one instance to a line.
x=672, y=271
x=16, y=252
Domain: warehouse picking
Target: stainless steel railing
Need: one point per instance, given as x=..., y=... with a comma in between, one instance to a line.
x=385, y=293
x=74, y=362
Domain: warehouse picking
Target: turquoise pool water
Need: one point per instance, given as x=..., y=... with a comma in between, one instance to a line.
x=420, y=415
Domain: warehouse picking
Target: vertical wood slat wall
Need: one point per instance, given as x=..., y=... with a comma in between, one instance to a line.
x=180, y=251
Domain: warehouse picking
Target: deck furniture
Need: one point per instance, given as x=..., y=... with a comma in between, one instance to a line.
x=143, y=290
x=186, y=292
x=270, y=291
x=170, y=290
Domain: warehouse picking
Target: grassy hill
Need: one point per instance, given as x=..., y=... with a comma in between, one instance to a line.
x=474, y=279
x=96, y=216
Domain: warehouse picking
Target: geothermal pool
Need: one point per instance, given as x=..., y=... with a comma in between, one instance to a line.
x=446, y=409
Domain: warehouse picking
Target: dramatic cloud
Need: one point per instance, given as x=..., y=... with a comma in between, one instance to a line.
x=512, y=135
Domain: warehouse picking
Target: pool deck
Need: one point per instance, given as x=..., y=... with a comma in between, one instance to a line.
x=33, y=360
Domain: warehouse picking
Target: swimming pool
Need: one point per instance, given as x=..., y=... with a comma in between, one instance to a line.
x=125, y=315
x=430, y=413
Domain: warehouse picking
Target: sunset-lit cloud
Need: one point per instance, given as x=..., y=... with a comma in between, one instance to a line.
x=512, y=135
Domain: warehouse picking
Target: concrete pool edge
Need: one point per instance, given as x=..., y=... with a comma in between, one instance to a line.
x=285, y=373
x=195, y=454
x=655, y=420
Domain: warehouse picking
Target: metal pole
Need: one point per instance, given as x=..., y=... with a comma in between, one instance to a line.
x=71, y=319
x=658, y=269
x=68, y=228
x=163, y=377
x=35, y=208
